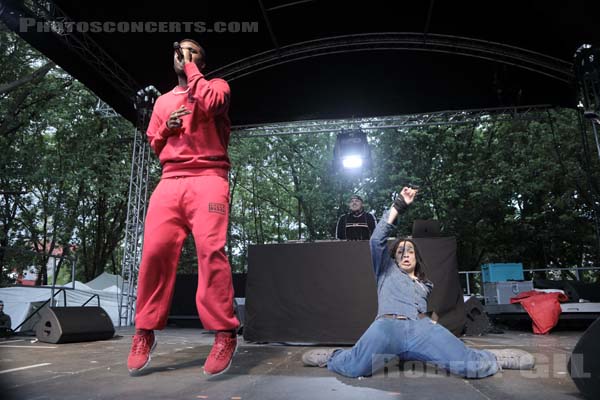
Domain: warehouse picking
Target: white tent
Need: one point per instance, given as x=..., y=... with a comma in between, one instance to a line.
x=20, y=301
x=107, y=282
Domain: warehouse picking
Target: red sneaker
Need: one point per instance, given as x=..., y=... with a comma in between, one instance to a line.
x=221, y=354
x=139, y=356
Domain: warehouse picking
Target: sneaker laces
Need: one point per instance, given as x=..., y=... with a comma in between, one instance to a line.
x=141, y=344
x=222, y=343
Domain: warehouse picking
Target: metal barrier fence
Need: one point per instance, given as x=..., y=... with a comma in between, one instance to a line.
x=471, y=280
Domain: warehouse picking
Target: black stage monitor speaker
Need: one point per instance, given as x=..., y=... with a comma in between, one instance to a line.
x=73, y=324
x=423, y=228
x=583, y=291
x=477, y=321
x=584, y=363
x=575, y=290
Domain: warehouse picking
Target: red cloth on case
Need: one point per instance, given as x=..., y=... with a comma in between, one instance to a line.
x=543, y=308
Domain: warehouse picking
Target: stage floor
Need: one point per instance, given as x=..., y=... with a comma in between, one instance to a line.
x=97, y=370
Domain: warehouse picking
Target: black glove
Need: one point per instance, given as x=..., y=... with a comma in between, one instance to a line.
x=400, y=205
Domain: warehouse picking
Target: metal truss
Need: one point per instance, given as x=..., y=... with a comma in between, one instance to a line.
x=457, y=45
x=136, y=210
x=136, y=206
x=398, y=122
x=86, y=49
x=104, y=110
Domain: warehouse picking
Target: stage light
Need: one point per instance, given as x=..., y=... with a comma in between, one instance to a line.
x=352, y=161
x=351, y=151
x=587, y=74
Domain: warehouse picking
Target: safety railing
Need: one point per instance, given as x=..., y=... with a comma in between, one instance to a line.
x=51, y=299
x=472, y=279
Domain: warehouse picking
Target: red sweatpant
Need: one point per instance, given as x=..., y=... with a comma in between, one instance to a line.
x=197, y=204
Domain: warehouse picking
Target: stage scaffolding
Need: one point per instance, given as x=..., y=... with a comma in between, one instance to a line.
x=397, y=122
x=107, y=68
x=136, y=206
x=551, y=67
x=140, y=161
x=136, y=202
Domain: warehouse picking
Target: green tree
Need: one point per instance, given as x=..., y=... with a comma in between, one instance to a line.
x=65, y=169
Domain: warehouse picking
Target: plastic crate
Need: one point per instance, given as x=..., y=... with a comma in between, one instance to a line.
x=501, y=292
x=502, y=272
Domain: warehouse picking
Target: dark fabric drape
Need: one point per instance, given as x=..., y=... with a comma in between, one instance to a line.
x=325, y=292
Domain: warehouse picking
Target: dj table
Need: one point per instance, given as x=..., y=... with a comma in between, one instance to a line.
x=325, y=292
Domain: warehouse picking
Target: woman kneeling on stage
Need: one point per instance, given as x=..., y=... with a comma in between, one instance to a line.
x=401, y=327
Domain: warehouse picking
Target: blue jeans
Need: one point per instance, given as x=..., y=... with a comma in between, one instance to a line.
x=419, y=340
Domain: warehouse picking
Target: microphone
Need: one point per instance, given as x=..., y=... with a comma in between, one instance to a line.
x=177, y=48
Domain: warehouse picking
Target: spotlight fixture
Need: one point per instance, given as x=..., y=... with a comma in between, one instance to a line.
x=351, y=151
x=352, y=161
x=587, y=74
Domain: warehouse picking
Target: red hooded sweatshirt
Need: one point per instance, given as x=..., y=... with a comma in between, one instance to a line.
x=199, y=147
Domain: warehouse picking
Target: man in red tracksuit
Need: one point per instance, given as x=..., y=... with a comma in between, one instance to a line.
x=189, y=131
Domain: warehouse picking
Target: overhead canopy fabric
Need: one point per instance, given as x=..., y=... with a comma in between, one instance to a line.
x=330, y=59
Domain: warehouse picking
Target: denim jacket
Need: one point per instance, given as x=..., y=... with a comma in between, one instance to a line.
x=397, y=292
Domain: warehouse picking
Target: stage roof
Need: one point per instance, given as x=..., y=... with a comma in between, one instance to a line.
x=328, y=59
